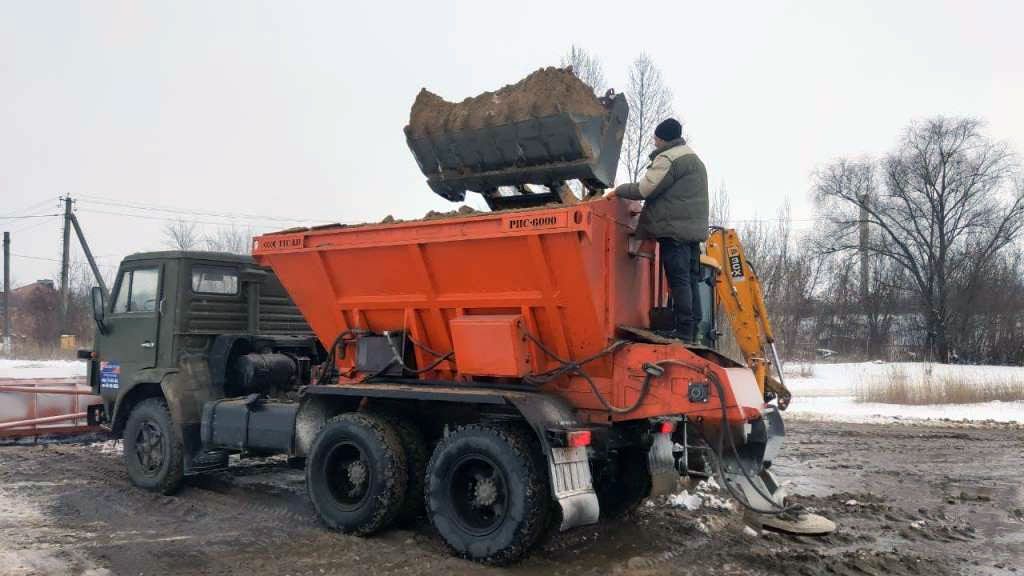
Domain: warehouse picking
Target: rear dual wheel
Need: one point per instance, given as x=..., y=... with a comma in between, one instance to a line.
x=357, y=473
x=485, y=486
x=487, y=492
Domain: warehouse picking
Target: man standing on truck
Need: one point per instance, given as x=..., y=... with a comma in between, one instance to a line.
x=674, y=189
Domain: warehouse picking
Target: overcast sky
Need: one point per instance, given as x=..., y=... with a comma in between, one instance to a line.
x=296, y=111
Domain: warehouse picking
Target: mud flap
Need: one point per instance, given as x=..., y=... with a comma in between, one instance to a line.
x=572, y=484
x=662, y=466
x=572, y=487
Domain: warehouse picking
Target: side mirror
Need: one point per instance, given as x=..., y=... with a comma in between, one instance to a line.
x=99, y=308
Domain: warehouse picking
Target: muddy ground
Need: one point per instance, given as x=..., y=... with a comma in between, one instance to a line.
x=908, y=500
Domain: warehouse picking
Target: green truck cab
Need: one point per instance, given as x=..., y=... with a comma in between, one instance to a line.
x=181, y=330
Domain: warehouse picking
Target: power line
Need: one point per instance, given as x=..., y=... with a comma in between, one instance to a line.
x=190, y=212
x=31, y=207
x=57, y=260
x=27, y=216
x=159, y=218
x=32, y=225
x=35, y=257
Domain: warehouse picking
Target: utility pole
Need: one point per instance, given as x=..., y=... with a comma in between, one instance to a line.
x=64, y=261
x=88, y=256
x=865, y=239
x=7, y=294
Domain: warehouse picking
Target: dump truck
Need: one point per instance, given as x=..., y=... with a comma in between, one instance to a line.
x=498, y=372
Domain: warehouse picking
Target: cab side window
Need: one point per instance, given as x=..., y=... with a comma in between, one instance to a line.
x=213, y=280
x=138, y=291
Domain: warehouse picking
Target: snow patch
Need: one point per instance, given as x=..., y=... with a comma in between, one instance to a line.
x=685, y=500
x=42, y=368
x=830, y=394
x=704, y=496
x=109, y=447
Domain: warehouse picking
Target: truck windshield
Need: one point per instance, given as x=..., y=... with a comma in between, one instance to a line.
x=211, y=280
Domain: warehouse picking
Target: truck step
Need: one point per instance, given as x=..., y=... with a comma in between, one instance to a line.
x=210, y=461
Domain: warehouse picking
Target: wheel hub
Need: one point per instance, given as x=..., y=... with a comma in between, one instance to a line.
x=357, y=474
x=485, y=493
x=149, y=447
x=479, y=494
x=349, y=474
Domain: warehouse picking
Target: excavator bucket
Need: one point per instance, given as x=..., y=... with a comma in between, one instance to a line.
x=545, y=130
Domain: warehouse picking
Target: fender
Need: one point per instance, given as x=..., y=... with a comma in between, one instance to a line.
x=185, y=388
x=126, y=397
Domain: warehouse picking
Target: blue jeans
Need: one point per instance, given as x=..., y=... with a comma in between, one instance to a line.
x=681, y=261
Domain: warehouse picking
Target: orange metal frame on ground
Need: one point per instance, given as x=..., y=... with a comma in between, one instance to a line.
x=44, y=406
x=565, y=273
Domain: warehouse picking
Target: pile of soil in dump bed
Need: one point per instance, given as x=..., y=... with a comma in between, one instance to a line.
x=546, y=92
x=463, y=210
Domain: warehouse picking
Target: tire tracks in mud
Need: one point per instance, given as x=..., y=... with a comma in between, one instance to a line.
x=906, y=500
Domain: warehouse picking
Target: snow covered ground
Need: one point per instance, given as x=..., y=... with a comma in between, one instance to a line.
x=827, y=394
x=830, y=393
x=42, y=368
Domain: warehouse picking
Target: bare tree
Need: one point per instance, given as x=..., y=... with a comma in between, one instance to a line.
x=181, y=235
x=993, y=329
x=650, y=102
x=767, y=244
x=720, y=206
x=943, y=205
x=229, y=239
x=587, y=67
x=789, y=276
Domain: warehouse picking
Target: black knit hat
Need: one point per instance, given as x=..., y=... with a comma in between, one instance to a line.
x=669, y=129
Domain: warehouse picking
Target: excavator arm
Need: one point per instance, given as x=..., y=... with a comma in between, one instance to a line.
x=738, y=291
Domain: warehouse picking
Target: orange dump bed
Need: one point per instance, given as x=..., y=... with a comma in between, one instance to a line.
x=564, y=271
x=488, y=287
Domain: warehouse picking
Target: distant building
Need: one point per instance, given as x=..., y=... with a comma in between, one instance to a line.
x=35, y=310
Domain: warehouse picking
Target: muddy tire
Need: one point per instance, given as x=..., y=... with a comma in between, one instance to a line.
x=154, y=453
x=487, y=493
x=356, y=473
x=416, y=457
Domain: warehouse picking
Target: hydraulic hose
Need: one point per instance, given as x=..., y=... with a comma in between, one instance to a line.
x=724, y=431
x=567, y=367
x=330, y=370
x=741, y=498
x=576, y=368
x=441, y=357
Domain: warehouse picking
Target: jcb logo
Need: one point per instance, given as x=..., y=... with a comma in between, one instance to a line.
x=735, y=264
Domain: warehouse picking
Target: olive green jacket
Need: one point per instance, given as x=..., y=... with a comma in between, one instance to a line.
x=674, y=189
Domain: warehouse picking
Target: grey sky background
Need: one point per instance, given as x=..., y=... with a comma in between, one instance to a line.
x=278, y=110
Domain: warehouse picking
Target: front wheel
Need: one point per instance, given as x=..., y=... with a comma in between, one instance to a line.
x=487, y=493
x=153, y=451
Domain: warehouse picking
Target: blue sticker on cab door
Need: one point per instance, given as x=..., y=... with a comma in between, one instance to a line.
x=110, y=375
